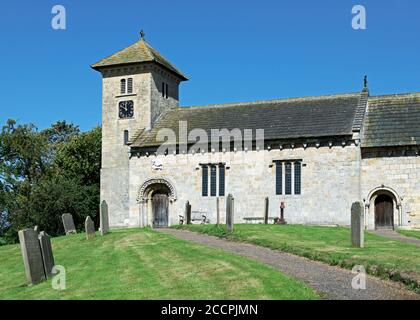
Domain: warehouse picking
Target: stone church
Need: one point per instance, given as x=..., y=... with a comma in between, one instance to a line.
x=316, y=155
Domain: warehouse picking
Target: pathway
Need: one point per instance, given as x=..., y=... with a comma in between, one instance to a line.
x=330, y=282
x=396, y=236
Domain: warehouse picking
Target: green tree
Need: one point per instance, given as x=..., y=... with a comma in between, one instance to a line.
x=80, y=158
x=24, y=162
x=44, y=174
x=60, y=132
x=57, y=195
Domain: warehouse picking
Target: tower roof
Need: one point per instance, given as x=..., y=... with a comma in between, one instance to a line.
x=138, y=52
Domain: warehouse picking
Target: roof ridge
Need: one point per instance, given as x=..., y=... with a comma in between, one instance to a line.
x=161, y=59
x=271, y=101
x=397, y=95
x=113, y=54
x=146, y=46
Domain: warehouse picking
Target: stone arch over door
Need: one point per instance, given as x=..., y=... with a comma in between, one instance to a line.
x=380, y=199
x=151, y=197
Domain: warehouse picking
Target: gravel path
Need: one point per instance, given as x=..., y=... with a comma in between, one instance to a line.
x=330, y=282
x=396, y=236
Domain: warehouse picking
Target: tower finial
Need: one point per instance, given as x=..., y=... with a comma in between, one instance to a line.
x=142, y=34
x=365, y=82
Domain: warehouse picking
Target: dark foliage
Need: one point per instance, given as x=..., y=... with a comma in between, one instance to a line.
x=44, y=174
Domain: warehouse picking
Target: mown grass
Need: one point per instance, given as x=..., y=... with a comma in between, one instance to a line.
x=381, y=256
x=144, y=264
x=410, y=233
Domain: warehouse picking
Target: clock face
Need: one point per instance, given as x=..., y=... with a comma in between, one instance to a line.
x=126, y=109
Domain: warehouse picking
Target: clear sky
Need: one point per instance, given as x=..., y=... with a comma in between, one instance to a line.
x=232, y=50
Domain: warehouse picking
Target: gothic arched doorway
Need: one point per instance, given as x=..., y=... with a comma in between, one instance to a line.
x=384, y=212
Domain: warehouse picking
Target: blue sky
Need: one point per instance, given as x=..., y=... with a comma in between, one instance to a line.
x=231, y=50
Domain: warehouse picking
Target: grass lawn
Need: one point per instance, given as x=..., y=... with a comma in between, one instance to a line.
x=144, y=264
x=410, y=233
x=381, y=256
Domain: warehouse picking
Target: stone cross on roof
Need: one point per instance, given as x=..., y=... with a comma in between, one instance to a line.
x=142, y=34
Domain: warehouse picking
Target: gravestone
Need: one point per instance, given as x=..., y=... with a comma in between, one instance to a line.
x=357, y=225
x=188, y=212
x=230, y=212
x=32, y=257
x=36, y=229
x=89, y=228
x=104, y=222
x=47, y=253
x=266, y=207
x=68, y=224
x=217, y=211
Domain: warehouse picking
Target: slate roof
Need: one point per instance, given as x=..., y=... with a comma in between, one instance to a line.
x=139, y=52
x=308, y=117
x=392, y=120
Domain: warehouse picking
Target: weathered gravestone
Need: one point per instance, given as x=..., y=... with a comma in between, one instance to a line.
x=36, y=229
x=32, y=257
x=47, y=253
x=266, y=209
x=68, y=224
x=357, y=225
x=104, y=222
x=230, y=212
x=188, y=212
x=89, y=228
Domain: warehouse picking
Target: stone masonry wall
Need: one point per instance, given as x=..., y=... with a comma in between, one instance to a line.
x=330, y=183
x=161, y=104
x=401, y=175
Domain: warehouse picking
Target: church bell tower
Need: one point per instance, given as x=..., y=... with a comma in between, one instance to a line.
x=138, y=86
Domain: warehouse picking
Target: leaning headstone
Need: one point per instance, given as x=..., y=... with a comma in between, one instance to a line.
x=68, y=224
x=104, y=222
x=230, y=212
x=188, y=212
x=32, y=257
x=217, y=211
x=266, y=207
x=89, y=228
x=357, y=225
x=36, y=229
x=47, y=253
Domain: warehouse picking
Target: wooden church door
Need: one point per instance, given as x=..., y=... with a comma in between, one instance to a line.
x=160, y=210
x=384, y=212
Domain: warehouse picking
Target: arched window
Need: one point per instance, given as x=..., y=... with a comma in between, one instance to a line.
x=123, y=85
